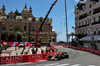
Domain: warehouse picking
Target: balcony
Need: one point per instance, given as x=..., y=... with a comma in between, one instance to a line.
x=97, y=10
x=95, y=23
x=83, y=26
x=83, y=16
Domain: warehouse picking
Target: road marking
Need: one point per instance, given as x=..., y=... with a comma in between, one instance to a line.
x=62, y=65
x=76, y=65
x=58, y=64
x=91, y=65
x=51, y=64
x=23, y=63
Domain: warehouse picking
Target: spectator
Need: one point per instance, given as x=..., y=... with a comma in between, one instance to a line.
x=52, y=49
x=47, y=50
x=42, y=51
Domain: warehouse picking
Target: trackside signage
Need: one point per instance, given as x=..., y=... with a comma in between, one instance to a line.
x=11, y=59
x=25, y=58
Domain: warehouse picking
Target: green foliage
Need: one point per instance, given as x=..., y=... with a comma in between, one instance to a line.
x=17, y=29
x=61, y=42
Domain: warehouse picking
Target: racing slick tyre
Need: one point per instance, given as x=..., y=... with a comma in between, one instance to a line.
x=49, y=57
x=58, y=57
x=66, y=56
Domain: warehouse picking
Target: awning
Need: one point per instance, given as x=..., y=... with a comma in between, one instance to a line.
x=91, y=38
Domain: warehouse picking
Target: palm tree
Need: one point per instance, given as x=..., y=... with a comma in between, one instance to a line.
x=24, y=37
x=72, y=34
x=16, y=30
x=69, y=37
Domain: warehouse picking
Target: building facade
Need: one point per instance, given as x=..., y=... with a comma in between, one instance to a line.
x=28, y=23
x=87, y=18
x=87, y=23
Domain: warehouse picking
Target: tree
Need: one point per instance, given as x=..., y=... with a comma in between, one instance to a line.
x=69, y=37
x=16, y=30
x=61, y=42
x=72, y=34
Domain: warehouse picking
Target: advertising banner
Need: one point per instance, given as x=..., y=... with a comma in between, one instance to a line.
x=25, y=58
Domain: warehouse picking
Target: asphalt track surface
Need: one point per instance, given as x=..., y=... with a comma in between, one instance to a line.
x=76, y=58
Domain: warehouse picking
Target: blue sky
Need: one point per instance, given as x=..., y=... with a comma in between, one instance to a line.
x=40, y=8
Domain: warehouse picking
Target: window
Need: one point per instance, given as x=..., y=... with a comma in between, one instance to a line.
x=94, y=33
x=90, y=21
x=25, y=17
x=40, y=38
x=53, y=40
x=98, y=32
x=90, y=13
x=86, y=22
x=11, y=16
x=82, y=23
x=33, y=39
x=33, y=20
x=3, y=27
x=40, y=20
x=99, y=18
x=94, y=20
x=79, y=24
x=90, y=5
x=33, y=28
x=25, y=28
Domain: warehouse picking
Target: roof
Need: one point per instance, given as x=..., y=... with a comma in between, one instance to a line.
x=80, y=4
x=91, y=38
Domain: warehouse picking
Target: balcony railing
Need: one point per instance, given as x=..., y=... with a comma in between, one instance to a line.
x=83, y=26
x=95, y=11
x=83, y=16
x=95, y=23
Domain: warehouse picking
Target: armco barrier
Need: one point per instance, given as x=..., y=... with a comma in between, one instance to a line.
x=25, y=58
x=86, y=49
x=96, y=51
x=57, y=45
x=80, y=48
x=60, y=45
x=91, y=50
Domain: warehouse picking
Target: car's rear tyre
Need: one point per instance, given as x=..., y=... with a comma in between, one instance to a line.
x=66, y=56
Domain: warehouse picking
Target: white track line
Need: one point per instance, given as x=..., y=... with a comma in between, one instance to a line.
x=51, y=64
x=76, y=65
x=63, y=65
x=91, y=65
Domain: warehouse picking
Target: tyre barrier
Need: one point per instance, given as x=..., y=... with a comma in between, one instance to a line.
x=25, y=58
